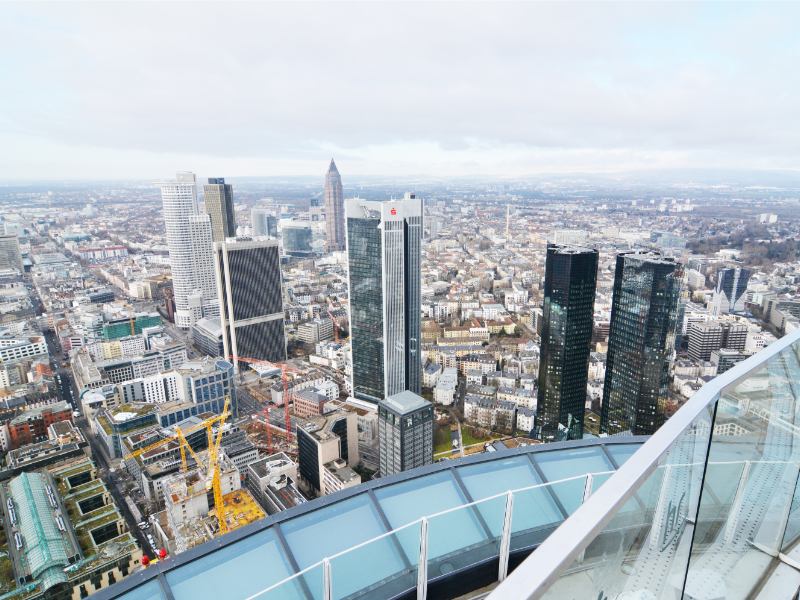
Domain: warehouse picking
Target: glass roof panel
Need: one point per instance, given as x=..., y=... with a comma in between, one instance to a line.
x=408, y=501
x=532, y=508
x=333, y=529
x=258, y=562
x=622, y=452
x=147, y=591
x=562, y=464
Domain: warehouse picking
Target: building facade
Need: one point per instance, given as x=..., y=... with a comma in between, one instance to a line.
x=569, y=291
x=383, y=254
x=251, y=300
x=647, y=287
x=731, y=291
x=297, y=237
x=405, y=433
x=218, y=197
x=334, y=210
x=323, y=439
x=10, y=254
x=190, y=251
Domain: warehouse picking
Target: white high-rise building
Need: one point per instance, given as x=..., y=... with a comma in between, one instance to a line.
x=191, y=252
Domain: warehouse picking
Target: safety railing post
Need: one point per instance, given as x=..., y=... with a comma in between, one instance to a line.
x=422, y=566
x=505, y=540
x=587, y=492
x=327, y=586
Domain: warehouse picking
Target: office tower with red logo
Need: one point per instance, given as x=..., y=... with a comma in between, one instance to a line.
x=383, y=257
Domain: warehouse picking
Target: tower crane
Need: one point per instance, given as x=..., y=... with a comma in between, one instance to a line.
x=212, y=468
x=336, y=328
x=284, y=369
x=130, y=317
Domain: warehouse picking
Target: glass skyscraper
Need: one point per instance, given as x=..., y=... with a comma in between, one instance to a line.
x=641, y=342
x=568, y=317
x=383, y=254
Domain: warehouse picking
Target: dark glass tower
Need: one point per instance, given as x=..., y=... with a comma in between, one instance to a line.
x=218, y=198
x=383, y=258
x=251, y=300
x=641, y=341
x=568, y=317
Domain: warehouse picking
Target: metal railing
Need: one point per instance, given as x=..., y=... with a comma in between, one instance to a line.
x=320, y=576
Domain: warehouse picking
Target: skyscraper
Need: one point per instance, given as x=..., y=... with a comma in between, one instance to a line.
x=569, y=290
x=383, y=256
x=334, y=210
x=251, y=299
x=10, y=254
x=647, y=287
x=297, y=238
x=190, y=251
x=731, y=288
x=405, y=433
x=264, y=223
x=218, y=197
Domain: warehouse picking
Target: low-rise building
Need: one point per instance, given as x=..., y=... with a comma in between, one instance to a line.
x=490, y=413
x=271, y=481
x=322, y=439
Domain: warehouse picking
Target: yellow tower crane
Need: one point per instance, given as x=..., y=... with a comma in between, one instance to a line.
x=213, y=468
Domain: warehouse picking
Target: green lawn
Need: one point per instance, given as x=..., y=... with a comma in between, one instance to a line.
x=441, y=440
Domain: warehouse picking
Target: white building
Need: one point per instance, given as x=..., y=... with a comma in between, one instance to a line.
x=190, y=251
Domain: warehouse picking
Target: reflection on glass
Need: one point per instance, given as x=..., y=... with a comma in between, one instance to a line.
x=483, y=543
x=751, y=481
x=563, y=464
x=308, y=586
x=643, y=552
x=258, y=560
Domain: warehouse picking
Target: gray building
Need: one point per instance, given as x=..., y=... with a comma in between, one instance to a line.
x=383, y=255
x=704, y=338
x=271, y=481
x=323, y=439
x=10, y=254
x=251, y=299
x=218, y=197
x=405, y=433
x=297, y=237
x=207, y=336
x=264, y=224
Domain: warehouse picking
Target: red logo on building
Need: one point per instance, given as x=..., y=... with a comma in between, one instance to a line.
x=394, y=211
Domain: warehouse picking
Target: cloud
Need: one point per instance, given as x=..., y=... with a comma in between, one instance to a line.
x=123, y=89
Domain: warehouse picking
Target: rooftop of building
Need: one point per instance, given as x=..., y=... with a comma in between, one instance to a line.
x=319, y=426
x=405, y=402
x=37, y=412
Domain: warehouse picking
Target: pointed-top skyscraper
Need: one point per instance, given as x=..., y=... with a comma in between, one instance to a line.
x=334, y=210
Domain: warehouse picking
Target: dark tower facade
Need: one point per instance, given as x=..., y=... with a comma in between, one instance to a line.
x=334, y=210
x=641, y=342
x=568, y=318
x=251, y=300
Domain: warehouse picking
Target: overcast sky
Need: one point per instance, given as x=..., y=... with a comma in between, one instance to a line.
x=140, y=90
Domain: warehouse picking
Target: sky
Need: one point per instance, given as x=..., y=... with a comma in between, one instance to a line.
x=126, y=90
